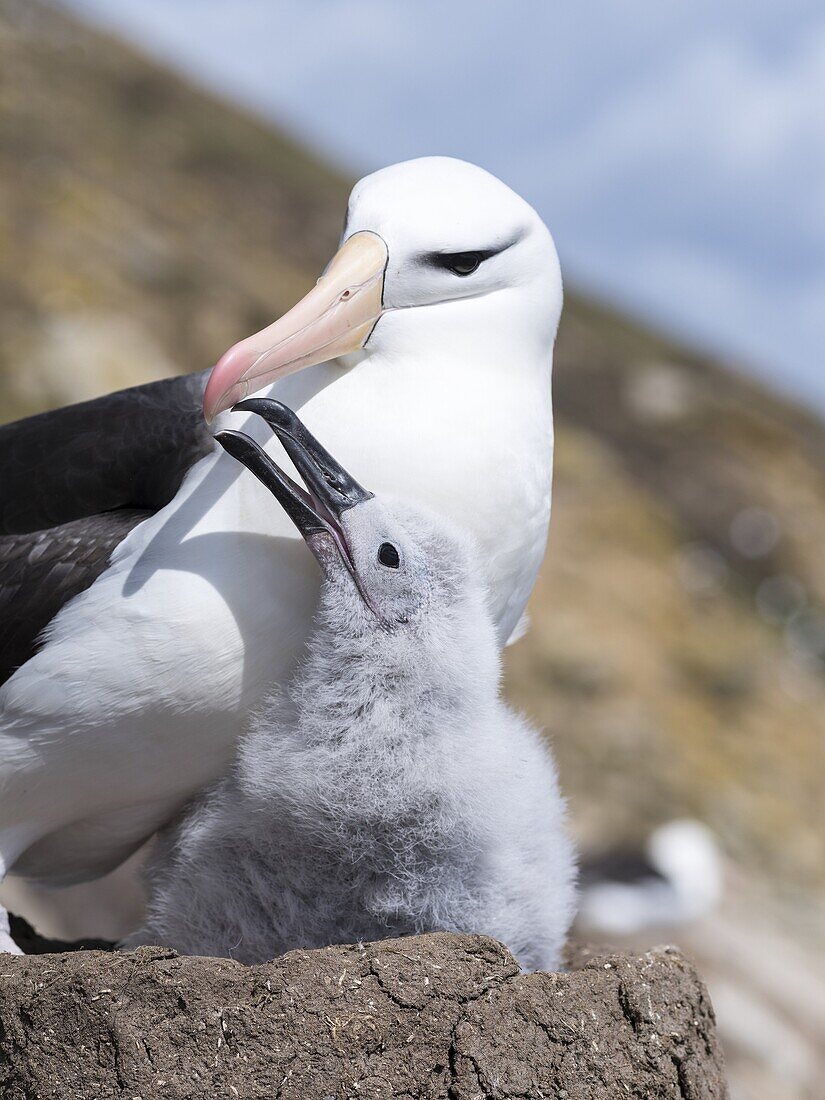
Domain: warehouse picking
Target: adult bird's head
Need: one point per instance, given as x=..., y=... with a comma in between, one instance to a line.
x=387, y=565
x=435, y=253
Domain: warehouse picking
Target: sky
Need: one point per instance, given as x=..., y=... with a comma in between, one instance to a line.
x=676, y=150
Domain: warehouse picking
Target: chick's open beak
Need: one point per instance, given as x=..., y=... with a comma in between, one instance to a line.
x=336, y=317
x=330, y=489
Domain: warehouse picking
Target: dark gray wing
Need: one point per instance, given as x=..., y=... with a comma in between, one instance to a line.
x=40, y=571
x=73, y=483
x=127, y=450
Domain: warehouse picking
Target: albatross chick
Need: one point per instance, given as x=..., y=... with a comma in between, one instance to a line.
x=386, y=789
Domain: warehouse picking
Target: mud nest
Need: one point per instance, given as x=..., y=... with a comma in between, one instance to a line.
x=424, y=1017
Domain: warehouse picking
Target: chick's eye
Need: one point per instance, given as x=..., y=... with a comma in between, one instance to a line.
x=388, y=555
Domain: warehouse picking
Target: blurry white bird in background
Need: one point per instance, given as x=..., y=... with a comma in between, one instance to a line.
x=677, y=877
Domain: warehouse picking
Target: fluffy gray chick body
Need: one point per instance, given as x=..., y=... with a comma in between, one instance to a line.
x=388, y=789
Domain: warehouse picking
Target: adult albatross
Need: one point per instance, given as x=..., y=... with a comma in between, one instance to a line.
x=148, y=594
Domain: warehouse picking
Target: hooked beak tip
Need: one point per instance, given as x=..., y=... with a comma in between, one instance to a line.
x=226, y=384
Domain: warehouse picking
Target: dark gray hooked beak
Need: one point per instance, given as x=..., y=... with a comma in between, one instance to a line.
x=330, y=489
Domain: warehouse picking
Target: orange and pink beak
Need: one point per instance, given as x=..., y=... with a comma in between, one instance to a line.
x=336, y=317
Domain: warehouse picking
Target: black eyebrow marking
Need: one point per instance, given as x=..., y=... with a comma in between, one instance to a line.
x=443, y=258
x=447, y=259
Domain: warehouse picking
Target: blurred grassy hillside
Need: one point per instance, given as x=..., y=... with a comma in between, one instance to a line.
x=678, y=637
x=678, y=643
x=143, y=225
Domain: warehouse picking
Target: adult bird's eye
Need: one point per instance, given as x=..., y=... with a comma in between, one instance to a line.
x=388, y=555
x=462, y=263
